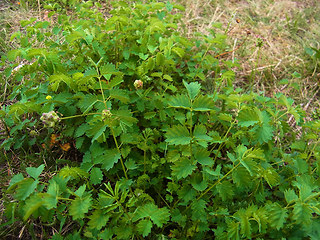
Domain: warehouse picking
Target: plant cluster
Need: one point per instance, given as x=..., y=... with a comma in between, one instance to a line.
x=169, y=148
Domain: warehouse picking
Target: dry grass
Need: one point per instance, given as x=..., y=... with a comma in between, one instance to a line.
x=284, y=27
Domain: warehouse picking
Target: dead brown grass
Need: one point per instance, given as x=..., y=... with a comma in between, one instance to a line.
x=286, y=28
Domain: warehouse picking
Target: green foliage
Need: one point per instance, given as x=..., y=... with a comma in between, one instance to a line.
x=159, y=155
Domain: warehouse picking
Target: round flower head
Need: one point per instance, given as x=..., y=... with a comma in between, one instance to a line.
x=49, y=119
x=106, y=113
x=138, y=84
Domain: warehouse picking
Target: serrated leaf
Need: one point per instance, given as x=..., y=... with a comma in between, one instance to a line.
x=203, y=157
x=233, y=230
x=35, y=172
x=79, y=207
x=98, y=220
x=125, y=117
x=225, y=190
x=15, y=179
x=290, y=196
x=193, y=89
x=80, y=191
x=96, y=176
x=177, y=217
x=215, y=173
x=248, y=117
x=120, y=95
x=277, y=215
x=151, y=48
x=31, y=205
x=183, y=168
x=144, y=227
x=91, y=72
x=107, y=70
x=143, y=56
x=198, y=183
x=203, y=103
x=180, y=101
x=167, y=77
x=156, y=74
x=73, y=172
x=110, y=158
x=225, y=117
x=271, y=176
x=241, y=177
x=245, y=226
x=74, y=36
x=200, y=133
x=178, y=135
x=56, y=79
x=149, y=115
x=179, y=51
x=115, y=81
x=51, y=198
x=82, y=129
x=302, y=213
x=249, y=164
x=87, y=102
x=25, y=188
x=97, y=130
x=159, y=216
x=263, y=133
x=13, y=54
x=187, y=194
x=198, y=210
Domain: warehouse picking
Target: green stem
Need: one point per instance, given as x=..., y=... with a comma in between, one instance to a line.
x=215, y=184
x=66, y=199
x=310, y=154
x=281, y=116
x=224, y=138
x=79, y=115
x=144, y=159
x=121, y=160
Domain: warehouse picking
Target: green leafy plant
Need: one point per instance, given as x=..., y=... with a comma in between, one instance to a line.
x=161, y=156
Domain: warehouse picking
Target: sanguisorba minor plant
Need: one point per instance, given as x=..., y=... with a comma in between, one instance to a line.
x=160, y=157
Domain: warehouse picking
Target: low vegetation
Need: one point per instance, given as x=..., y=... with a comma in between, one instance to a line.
x=124, y=121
